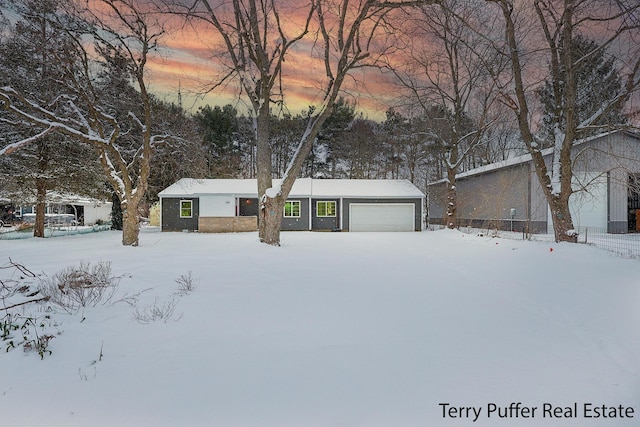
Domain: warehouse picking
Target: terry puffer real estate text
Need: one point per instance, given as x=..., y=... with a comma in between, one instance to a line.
x=546, y=410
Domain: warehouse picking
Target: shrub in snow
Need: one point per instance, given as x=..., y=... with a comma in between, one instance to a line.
x=156, y=311
x=86, y=285
x=164, y=311
x=32, y=340
x=18, y=329
x=26, y=332
x=186, y=284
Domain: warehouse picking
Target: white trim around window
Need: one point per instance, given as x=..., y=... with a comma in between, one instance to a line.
x=292, y=209
x=186, y=208
x=329, y=209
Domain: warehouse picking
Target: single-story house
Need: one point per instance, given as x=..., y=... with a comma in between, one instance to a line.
x=507, y=195
x=85, y=211
x=224, y=205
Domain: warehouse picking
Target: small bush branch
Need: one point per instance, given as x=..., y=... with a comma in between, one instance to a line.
x=156, y=311
x=24, y=303
x=186, y=284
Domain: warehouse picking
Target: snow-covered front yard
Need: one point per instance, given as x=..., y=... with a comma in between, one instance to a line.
x=332, y=329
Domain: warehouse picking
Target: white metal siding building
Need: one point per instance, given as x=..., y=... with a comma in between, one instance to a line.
x=508, y=195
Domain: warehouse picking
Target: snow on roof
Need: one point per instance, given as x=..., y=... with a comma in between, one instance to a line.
x=71, y=199
x=303, y=187
x=364, y=188
x=525, y=158
x=61, y=199
x=190, y=186
x=501, y=164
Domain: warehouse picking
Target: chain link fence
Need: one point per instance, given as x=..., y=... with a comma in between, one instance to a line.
x=625, y=245
x=12, y=234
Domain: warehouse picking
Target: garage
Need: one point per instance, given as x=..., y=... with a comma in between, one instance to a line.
x=381, y=217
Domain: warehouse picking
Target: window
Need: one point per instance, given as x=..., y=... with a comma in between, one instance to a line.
x=186, y=208
x=325, y=209
x=292, y=208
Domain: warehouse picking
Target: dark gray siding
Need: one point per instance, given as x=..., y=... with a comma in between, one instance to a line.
x=249, y=207
x=171, y=220
x=325, y=223
x=416, y=201
x=301, y=223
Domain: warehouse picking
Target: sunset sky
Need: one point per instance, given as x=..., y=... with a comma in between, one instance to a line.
x=186, y=63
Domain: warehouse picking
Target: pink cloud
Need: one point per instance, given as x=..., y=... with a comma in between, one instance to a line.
x=188, y=62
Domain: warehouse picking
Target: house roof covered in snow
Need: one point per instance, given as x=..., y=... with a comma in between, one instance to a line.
x=526, y=158
x=303, y=187
x=59, y=198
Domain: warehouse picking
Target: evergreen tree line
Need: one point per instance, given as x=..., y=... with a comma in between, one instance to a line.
x=350, y=145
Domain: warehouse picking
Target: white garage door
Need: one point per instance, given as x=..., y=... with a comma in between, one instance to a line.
x=381, y=217
x=588, y=203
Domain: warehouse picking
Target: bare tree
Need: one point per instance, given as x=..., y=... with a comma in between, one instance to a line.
x=449, y=72
x=124, y=35
x=503, y=138
x=557, y=24
x=417, y=149
x=257, y=43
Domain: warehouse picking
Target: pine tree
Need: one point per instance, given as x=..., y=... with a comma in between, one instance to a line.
x=331, y=139
x=180, y=154
x=218, y=127
x=28, y=60
x=596, y=79
x=116, y=213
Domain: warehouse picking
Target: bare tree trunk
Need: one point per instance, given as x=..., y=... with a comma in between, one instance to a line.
x=41, y=187
x=268, y=211
x=271, y=212
x=562, y=221
x=41, y=207
x=130, y=225
x=452, y=199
